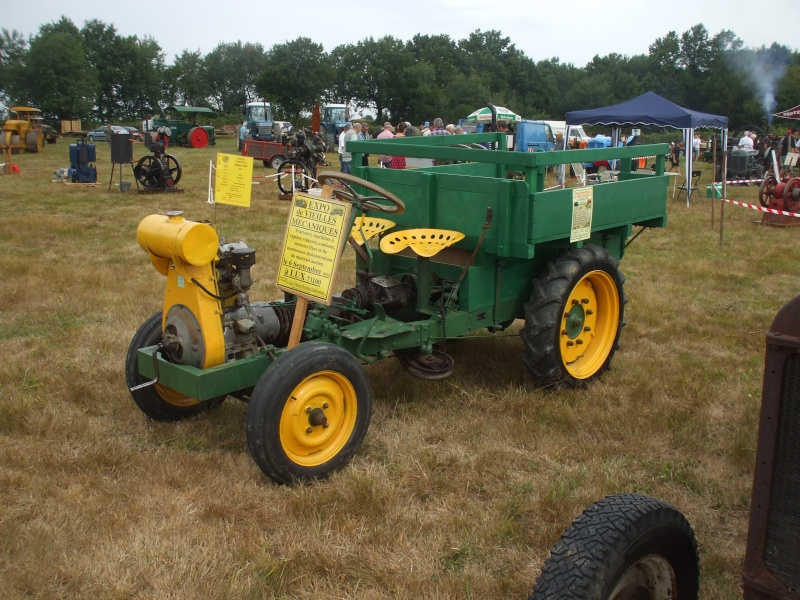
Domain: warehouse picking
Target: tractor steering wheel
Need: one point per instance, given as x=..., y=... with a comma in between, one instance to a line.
x=362, y=202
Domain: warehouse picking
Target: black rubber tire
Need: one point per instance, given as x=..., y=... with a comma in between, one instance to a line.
x=611, y=536
x=545, y=312
x=269, y=413
x=158, y=402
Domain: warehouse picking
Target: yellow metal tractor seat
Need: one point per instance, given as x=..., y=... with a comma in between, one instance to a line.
x=365, y=228
x=424, y=242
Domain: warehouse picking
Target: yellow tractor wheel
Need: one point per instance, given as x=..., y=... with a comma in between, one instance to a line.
x=574, y=317
x=309, y=413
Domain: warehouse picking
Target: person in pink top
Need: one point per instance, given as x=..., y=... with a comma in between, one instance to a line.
x=399, y=162
x=385, y=160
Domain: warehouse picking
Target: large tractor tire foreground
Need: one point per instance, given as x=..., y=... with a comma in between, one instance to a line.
x=623, y=547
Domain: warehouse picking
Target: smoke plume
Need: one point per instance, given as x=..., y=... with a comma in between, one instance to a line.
x=763, y=69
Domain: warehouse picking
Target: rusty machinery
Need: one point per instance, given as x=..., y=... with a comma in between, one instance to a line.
x=783, y=194
x=158, y=171
x=22, y=134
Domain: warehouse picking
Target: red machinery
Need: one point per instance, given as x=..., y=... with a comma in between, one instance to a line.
x=780, y=195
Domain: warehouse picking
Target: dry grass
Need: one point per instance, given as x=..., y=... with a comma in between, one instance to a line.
x=461, y=486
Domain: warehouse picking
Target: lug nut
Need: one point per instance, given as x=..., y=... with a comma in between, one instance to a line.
x=579, y=342
x=590, y=312
x=563, y=332
x=584, y=301
x=309, y=430
x=326, y=405
x=570, y=343
x=308, y=409
x=587, y=328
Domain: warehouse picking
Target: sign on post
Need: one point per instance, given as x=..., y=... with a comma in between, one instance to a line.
x=582, y=208
x=234, y=182
x=315, y=235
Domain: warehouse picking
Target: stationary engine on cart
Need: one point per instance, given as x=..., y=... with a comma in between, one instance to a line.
x=81, y=156
x=159, y=170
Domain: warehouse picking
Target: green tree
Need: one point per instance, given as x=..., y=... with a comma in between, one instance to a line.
x=232, y=70
x=13, y=54
x=295, y=76
x=58, y=78
x=142, y=76
x=185, y=81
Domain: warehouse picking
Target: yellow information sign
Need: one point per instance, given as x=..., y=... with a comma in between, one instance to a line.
x=582, y=208
x=315, y=236
x=234, y=182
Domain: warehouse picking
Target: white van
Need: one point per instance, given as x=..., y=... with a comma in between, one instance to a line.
x=576, y=132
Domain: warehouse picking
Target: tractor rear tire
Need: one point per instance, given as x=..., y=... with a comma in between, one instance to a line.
x=308, y=413
x=157, y=401
x=574, y=317
x=623, y=547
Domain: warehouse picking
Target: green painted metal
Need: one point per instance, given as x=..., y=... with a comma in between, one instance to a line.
x=529, y=228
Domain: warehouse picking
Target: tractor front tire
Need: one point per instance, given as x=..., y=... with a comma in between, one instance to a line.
x=308, y=413
x=157, y=401
x=574, y=317
x=623, y=547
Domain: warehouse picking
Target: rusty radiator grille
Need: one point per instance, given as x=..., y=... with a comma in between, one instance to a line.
x=782, y=544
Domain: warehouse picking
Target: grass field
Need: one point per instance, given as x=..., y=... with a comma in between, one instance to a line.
x=461, y=486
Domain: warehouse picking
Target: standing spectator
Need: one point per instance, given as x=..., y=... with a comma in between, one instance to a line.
x=746, y=141
x=341, y=148
x=438, y=127
x=426, y=128
x=675, y=157
x=787, y=143
x=350, y=134
x=385, y=159
x=242, y=133
x=696, y=146
x=364, y=135
x=399, y=162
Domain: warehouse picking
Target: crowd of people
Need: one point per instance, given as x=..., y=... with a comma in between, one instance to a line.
x=403, y=129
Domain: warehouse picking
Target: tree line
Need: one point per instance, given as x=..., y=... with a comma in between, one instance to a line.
x=94, y=73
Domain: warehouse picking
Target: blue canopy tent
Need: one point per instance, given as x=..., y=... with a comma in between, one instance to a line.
x=652, y=109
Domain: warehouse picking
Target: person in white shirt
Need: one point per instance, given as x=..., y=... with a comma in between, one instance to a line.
x=746, y=141
x=341, y=147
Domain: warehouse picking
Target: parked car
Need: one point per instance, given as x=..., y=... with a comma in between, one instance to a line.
x=135, y=133
x=99, y=134
x=287, y=127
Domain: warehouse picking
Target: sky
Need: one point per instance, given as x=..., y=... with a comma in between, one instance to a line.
x=573, y=30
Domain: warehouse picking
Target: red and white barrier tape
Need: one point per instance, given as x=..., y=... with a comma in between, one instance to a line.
x=773, y=211
x=744, y=181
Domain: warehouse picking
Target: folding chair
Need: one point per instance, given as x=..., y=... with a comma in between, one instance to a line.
x=692, y=187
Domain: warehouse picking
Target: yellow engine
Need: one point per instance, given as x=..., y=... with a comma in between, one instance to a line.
x=207, y=316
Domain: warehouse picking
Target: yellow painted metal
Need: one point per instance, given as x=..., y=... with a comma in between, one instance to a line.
x=185, y=252
x=597, y=300
x=425, y=242
x=305, y=441
x=369, y=227
x=175, y=398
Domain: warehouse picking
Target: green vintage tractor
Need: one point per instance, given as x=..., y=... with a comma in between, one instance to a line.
x=179, y=123
x=441, y=252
